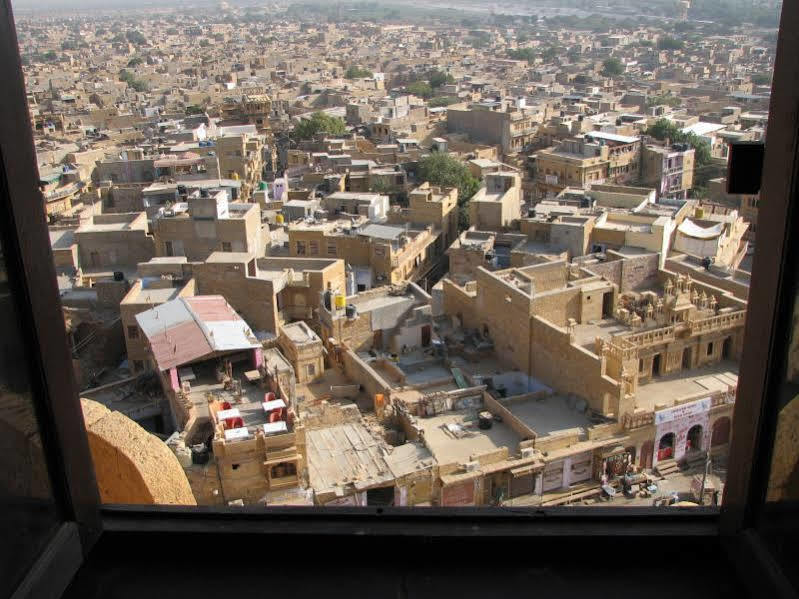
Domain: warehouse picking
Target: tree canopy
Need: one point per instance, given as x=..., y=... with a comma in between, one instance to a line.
x=442, y=169
x=319, y=123
x=129, y=78
x=669, y=43
x=438, y=78
x=665, y=129
x=442, y=101
x=612, y=67
x=355, y=72
x=761, y=79
x=662, y=100
x=527, y=54
x=420, y=88
x=135, y=37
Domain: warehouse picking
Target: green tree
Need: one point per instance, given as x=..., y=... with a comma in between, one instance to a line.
x=550, y=53
x=669, y=43
x=194, y=109
x=135, y=61
x=442, y=169
x=442, y=101
x=664, y=129
x=761, y=79
x=612, y=67
x=135, y=37
x=357, y=73
x=420, y=88
x=50, y=56
x=136, y=84
x=663, y=100
x=319, y=123
x=527, y=54
x=438, y=78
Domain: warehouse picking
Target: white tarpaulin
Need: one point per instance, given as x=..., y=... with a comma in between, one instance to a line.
x=691, y=229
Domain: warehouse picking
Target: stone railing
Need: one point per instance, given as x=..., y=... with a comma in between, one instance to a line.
x=717, y=323
x=620, y=349
x=62, y=192
x=724, y=398
x=652, y=337
x=632, y=421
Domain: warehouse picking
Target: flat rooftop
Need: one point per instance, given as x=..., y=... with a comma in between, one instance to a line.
x=343, y=455
x=62, y=238
x=381, y=301
x=101, y=227
x=154, y=296
x=202, y=377
x=586, y=334
x=299, y=332
x=666, y=389
x=448, y=448
x=551, y=414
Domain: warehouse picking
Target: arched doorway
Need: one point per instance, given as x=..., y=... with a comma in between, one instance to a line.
x=631, y=451
x=693, y=442
x=666, y=447
x=645, y=459
x=726, y=349
x=720, y=434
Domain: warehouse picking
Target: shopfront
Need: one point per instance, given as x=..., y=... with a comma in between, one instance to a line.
x=682, y=429
x=611, y=462
x=459, y=493
x=553, y=476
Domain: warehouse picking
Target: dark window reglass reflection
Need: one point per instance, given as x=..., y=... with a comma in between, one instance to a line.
x=28, y=514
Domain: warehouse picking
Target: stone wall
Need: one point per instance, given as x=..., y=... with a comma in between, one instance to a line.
x=738, y=289
x=628, y=273
x=360, y=372
x=131, y=465
x=126, y=198
x=516, y=425
x=568, y=368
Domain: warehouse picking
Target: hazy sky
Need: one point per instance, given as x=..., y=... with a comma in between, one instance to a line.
x=108, y=4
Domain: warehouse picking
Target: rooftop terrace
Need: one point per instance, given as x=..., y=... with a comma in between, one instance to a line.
x=467, y=440
x=688, y=383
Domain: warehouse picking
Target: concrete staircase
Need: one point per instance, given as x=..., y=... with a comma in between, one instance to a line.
x=694, y=460
x=666, y=468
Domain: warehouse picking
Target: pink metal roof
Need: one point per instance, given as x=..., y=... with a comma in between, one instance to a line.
x=210, y=308
x=180, y=344
x=187, y=329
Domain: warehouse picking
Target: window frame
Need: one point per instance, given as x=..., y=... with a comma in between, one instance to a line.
x=31, y=279
x=31, y=276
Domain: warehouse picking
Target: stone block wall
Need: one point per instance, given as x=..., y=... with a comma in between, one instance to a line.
x=568, y=368
x=360, y=372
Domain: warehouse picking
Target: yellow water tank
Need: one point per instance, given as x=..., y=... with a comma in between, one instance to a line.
x=235, y=176
x=279, y=219
x=699, y=213
x=341, y=301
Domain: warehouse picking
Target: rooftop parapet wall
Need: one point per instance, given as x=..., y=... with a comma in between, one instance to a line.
x=557, y=362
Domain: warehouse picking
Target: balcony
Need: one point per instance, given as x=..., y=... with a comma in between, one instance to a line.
x=648, y=338
x=62, y=192
x=717, y=323
x=633, y=421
